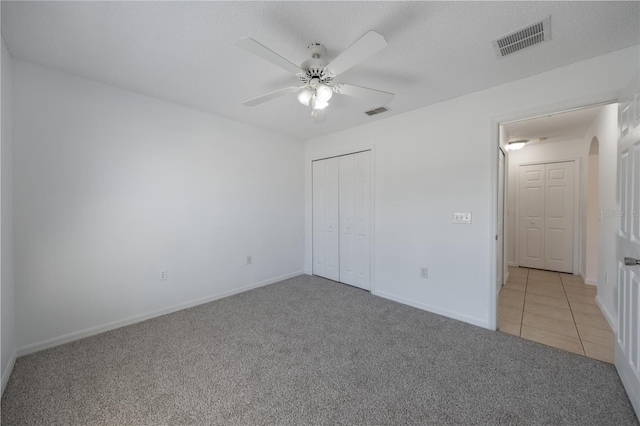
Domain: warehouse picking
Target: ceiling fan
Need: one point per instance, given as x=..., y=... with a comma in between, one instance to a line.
x=317, y=74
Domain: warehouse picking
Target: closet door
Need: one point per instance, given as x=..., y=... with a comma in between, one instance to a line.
x=325, y=219
x=558, y=221
x=347, y=220
x=546, y=193
x=531, y=193
x=355, y=219
x=363, y=209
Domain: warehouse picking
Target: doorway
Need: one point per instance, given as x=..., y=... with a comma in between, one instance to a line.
x=545, y=297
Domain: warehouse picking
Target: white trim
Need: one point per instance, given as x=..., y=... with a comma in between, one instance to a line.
x=506, y=277
x=512, y=264
x=493, y=291
x=7, y=371
x=586, y=281
x=439, y=311
x=77, y=335
x=610, y=318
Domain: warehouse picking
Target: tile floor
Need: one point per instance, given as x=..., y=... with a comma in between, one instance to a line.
x=555, y=309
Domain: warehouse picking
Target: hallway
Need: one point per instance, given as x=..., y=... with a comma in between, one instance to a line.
x=555, y=309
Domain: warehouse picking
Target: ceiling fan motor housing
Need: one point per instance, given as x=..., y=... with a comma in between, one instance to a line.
x=315, y=68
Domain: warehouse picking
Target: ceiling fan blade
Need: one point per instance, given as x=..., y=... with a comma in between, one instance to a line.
x=272, y=95
x=372, y=95
x=319, y=115
x=364, y=47
x=264, y=52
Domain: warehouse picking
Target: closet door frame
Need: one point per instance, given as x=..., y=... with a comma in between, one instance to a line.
x=577, y=212
x=323, y=155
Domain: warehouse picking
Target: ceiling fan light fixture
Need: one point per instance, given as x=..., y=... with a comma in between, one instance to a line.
x=324, y=92
x=516, y=145
x=305, y=96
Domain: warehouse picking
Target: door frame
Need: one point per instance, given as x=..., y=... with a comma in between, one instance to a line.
x=505, y=169
x=577, y=214
x=323, y=155
x=494, y=126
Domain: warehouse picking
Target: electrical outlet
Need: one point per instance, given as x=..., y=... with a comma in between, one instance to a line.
x=464, y=218
x=163, y=274
x=249, y=260
x=424, y=272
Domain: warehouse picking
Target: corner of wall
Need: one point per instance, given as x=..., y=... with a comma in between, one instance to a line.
x=6, y=373
x=611, y=319
x=7, y=281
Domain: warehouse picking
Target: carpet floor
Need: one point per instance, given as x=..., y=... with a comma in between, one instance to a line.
x=310, y=351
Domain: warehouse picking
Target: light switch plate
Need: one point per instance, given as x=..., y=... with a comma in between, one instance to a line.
x=462, y=218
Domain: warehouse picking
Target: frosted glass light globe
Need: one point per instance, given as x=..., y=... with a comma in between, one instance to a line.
x=305, y=96
x=324, y=93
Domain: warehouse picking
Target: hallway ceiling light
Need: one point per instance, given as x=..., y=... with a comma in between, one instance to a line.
x=516, y=145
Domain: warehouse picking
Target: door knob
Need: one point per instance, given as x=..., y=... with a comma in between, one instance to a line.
x=630, y=261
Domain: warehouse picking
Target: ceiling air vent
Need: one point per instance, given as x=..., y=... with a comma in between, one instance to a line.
x=525, y=37
x=377, y=111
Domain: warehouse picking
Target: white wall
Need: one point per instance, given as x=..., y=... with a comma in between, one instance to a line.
x=6, y=221
x=441, y=159
x=540, y=153
x=592, y=219
x=113, y=186
x=605, y=128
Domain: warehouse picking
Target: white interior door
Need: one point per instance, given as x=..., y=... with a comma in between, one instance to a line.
x=500, y=224
x=628, y=246
x=363, y=209
x=559, y=216
x=546, y=216
x=342, y=219
x=531, y=216
x=347, y=219
x=325, y=218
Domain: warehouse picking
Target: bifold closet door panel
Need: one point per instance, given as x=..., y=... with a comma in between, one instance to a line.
x=531, y=193
x=347, y=222
x=363, y=213
x=559, y=217
x=325, y=219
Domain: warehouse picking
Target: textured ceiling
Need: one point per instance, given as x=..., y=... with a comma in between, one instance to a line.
x=184, y=51
x=555, y=127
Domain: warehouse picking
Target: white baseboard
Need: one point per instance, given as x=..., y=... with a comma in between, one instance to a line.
x=610, y=318
x=506, y=278
x=433, y=309
x=514, y=264
x=586, y=280
x=7, y=371
x=77, y=335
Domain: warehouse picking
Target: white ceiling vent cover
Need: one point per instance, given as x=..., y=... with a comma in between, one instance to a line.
x=525, y=37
